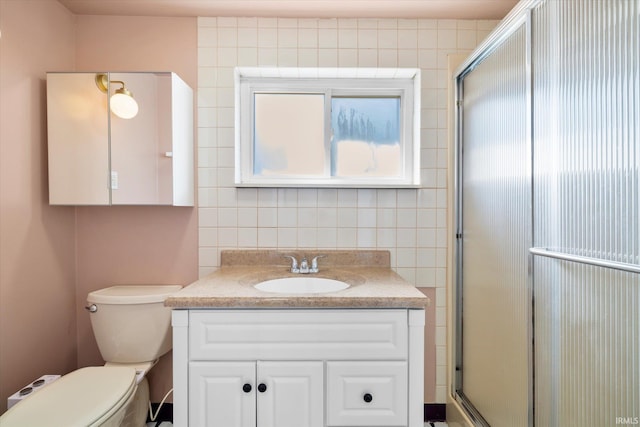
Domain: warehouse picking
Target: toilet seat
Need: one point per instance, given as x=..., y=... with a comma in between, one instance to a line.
x=85, y=397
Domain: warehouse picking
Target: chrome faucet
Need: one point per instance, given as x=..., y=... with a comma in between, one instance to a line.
x=294, y=264
x=304, y=264
x=314, y=264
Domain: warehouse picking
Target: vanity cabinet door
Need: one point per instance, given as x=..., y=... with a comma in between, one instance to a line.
x=281, y=394
x=290, y=394
x=222, y=394
x=367, y=394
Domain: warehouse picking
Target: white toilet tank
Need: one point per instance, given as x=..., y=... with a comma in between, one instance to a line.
x=131, y=323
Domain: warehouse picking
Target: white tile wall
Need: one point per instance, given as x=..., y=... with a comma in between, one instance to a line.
x=410, y=223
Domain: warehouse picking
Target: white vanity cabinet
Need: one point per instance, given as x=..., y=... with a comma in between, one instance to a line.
x=298, y=367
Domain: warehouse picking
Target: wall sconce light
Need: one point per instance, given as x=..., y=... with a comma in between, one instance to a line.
x=122, y=103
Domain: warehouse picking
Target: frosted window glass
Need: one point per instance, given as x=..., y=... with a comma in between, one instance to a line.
x=289, y=134
x=365, y=137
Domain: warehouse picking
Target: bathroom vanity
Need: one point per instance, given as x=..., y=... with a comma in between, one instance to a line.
x=244, y=357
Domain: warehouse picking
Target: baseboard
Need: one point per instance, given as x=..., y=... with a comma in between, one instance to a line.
x=435, y=412
x=432, y=412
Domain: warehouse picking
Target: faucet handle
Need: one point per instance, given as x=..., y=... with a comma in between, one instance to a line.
x=314, y=263
x=294, y=263
x=304, y=266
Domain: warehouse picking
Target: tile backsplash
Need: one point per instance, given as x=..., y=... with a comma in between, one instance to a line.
x=410, y=223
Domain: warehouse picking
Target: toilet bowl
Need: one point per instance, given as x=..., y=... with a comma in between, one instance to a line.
x=133, y=329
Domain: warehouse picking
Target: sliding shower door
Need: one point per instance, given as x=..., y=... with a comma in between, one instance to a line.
x=587, y=212
x=548, y=219
x=494, y=233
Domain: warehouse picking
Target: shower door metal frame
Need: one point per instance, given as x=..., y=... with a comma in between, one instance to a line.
x=520, y=15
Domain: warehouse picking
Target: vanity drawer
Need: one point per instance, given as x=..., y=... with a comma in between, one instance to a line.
x=367, y=394
x=298, y=334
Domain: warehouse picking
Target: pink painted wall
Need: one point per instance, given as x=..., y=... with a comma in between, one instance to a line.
x=134, y=244
x=37, y=241
x=51, y=257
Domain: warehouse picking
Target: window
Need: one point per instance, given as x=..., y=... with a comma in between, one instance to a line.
x=320, y=127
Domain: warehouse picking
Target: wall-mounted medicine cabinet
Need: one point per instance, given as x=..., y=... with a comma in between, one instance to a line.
x=99, y=155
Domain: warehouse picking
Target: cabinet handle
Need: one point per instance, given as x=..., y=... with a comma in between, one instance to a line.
x=262, y=388
x=367, y=397
x=246, y=388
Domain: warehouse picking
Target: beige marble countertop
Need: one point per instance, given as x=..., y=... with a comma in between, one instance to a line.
x=373, y=284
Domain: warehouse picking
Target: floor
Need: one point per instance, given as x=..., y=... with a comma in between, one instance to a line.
x=168, y=424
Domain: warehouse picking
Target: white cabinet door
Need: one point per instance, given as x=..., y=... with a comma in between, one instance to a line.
x=290, y=394
x=367, y=393
x=222, y=394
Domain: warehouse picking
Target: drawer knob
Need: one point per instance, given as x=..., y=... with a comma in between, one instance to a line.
x=367, y=397
x=262, y=388
x=246, y=388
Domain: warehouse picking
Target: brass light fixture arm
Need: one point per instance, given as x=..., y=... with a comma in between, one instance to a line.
x=103, y=82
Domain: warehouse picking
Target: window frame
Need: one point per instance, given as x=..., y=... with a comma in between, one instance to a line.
x=339, y=82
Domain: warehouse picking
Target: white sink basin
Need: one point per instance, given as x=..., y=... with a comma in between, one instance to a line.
x=301, y=285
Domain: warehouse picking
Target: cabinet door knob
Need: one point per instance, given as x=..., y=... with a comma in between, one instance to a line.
x=246, y=388
x=367, y=397
x=262, y=388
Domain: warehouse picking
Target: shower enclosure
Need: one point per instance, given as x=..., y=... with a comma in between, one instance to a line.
x=547, y=253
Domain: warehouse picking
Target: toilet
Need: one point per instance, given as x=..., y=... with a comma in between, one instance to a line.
x=133, y=329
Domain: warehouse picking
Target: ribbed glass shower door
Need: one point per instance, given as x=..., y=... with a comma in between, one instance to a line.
x=587, y=212
x=495, y=233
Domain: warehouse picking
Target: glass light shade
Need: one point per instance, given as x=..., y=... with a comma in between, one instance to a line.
x=123, y=105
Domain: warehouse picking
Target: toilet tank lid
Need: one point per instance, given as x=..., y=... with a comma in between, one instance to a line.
x=132, y=294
